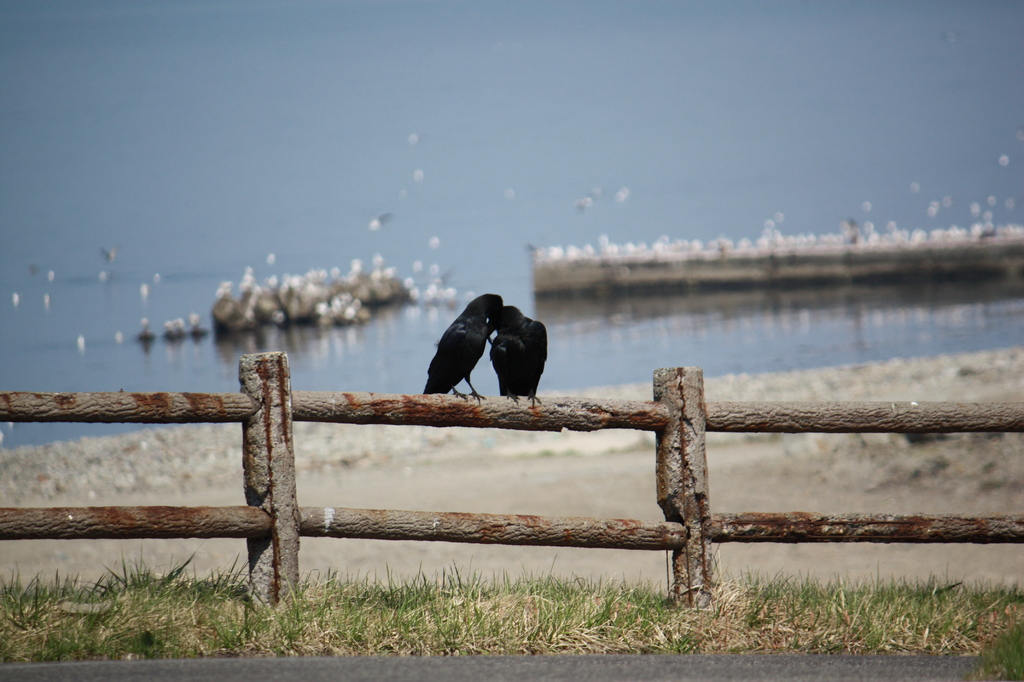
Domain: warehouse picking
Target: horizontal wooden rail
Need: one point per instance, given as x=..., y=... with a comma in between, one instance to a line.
x=497, y=529
x=865, y=417
x=549, y=414
x=502, y=529
x=69, y=523
x=553, y=414
x=74, y=523
x=120, y=407
x=805, y=527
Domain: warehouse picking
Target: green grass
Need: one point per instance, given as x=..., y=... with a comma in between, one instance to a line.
x=133, y=612
x=1004, y=660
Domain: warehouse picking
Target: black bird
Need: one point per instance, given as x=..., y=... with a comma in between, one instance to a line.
x=462, y=344
x=518, y=354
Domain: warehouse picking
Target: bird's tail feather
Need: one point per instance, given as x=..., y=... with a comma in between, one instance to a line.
x=435, y=385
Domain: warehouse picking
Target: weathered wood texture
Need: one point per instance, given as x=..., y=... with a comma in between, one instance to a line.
x=805, y=527
x=682, y=480
x=549, y=414
x=79, y=523
x=269, y=471
x=499, y=529
x=553, y=414
x=143, y=408
x=864, y=417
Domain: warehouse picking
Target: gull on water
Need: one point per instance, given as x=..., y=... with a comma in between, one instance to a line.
x=195, y=328
x=174, y=330
x=147, y=335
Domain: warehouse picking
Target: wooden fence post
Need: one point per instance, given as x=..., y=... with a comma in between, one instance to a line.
x=269, y=469
x=682, y=472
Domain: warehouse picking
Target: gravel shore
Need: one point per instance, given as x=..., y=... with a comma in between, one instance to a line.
x=457, y=469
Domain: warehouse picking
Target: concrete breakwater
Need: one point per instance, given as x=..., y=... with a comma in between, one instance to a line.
x=691, y=267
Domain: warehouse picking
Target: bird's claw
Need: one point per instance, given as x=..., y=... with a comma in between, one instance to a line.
x=467, y=396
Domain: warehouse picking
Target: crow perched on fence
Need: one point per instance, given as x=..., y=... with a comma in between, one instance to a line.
x=462, y=344
x=518, y=354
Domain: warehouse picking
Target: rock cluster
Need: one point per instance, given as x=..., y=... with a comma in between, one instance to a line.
x=317, y=298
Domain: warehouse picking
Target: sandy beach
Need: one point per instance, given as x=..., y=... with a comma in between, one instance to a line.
x=608, y=474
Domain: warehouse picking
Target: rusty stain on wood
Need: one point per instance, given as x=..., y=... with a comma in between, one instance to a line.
x=269, y=471
x=553, y=414
x=120, y=407
x=682, y=474
x=913, y=528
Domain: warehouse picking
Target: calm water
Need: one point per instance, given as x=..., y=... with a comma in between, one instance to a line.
x=201, y=137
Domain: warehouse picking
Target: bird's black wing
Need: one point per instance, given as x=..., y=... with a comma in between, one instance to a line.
x=472, y=340
x=499, y=360
x=461, y=346
x=536, y=350
x=444, y=370
x=507, y=353
x=458, y=351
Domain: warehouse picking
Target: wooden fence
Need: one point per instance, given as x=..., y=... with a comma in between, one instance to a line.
x=272, y=521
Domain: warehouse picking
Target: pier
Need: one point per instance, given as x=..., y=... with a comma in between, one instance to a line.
x=683, y=267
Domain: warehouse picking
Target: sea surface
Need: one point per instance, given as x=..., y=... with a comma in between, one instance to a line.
x=198, y=139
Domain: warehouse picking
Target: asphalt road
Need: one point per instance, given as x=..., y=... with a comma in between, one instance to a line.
x=752, y=667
